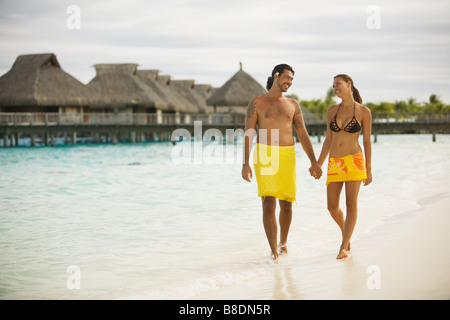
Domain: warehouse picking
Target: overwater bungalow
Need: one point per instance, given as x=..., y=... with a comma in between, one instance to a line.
x=121, y=103
x=124, y=93
x=206, y=91
x=37, y=85
x=150, y=78
x=235, y=95
x=186, y=89
x=179, y=103
x=182, y=106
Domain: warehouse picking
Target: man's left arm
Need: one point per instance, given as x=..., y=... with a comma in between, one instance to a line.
x=304, y=139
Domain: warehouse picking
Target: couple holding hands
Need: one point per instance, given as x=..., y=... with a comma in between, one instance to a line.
x=276, y=116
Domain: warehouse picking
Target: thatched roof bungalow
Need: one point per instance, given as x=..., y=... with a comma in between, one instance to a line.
x=36, y=83
x=206, y=91
x=176, y=92
x=160, y=85
x=186, y=88
x=122, y=90
x=235, y=95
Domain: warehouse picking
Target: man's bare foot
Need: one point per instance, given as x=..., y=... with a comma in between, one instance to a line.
x=275, y=259
x=283, y=248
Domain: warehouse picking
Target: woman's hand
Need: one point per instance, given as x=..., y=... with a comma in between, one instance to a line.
x=315, y=171
x=369, y=178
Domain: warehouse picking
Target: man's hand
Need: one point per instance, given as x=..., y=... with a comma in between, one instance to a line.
x=315, y=171
x=247, y=172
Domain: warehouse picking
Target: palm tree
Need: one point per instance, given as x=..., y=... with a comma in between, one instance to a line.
x=413, y=105
x=435, y=104
x=434, y=98
x=329, y=99
x=400, y=106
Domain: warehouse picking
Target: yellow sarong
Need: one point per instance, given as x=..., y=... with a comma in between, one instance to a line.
x=275, y=171
x=348, y=168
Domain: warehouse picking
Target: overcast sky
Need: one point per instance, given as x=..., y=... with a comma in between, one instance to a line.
x=393, y=50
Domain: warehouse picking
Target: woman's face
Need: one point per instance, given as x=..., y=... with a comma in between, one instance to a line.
x=341, y=87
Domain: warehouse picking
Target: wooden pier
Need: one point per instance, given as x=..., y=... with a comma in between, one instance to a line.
x=113, y=128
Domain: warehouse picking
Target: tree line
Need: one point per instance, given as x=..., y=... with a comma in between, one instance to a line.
x=399, y=106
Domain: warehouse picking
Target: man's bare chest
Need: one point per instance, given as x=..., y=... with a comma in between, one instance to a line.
x=278, y=112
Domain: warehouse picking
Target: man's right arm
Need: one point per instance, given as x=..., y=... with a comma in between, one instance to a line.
x=250, y=129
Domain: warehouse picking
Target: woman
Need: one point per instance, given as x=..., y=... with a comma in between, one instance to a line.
x=346, y=163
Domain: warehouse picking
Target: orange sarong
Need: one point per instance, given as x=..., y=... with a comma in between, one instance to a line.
x=348, y=168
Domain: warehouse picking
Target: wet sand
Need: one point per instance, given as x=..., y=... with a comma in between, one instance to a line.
x=408, y=257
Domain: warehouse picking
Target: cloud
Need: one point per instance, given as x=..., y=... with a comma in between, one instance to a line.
x=205, y=40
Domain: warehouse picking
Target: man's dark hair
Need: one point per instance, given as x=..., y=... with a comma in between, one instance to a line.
x=278, y=69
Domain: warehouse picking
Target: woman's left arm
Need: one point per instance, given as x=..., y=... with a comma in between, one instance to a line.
x=367, y=132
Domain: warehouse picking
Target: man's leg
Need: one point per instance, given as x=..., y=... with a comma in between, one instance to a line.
x=270, y=224
x=285, y=223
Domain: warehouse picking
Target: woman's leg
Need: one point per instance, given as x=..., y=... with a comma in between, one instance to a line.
x=333, y=194
x=351, y=195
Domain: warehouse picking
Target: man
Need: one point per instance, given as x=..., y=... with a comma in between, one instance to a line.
x=274, y=155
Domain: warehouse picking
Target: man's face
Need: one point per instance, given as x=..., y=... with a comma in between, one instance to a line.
x=284, y=80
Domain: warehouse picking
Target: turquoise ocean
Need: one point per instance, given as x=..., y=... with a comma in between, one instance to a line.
x=154, y=221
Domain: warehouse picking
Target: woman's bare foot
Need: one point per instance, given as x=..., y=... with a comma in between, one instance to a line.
x=342, y=253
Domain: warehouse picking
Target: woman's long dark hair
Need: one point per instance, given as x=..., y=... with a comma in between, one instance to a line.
x=278, y=69
x=355, y=91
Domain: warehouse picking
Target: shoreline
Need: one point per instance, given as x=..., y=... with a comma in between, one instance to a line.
x=407, y=257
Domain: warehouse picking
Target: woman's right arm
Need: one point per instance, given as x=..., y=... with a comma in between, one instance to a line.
x=328, y=139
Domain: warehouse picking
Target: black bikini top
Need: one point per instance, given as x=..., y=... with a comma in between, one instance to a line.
x=351, y=127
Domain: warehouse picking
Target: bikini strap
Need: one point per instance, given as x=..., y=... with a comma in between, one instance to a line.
x=337, y=110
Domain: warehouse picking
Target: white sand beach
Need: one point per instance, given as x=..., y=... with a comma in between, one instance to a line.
x=408, y=257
